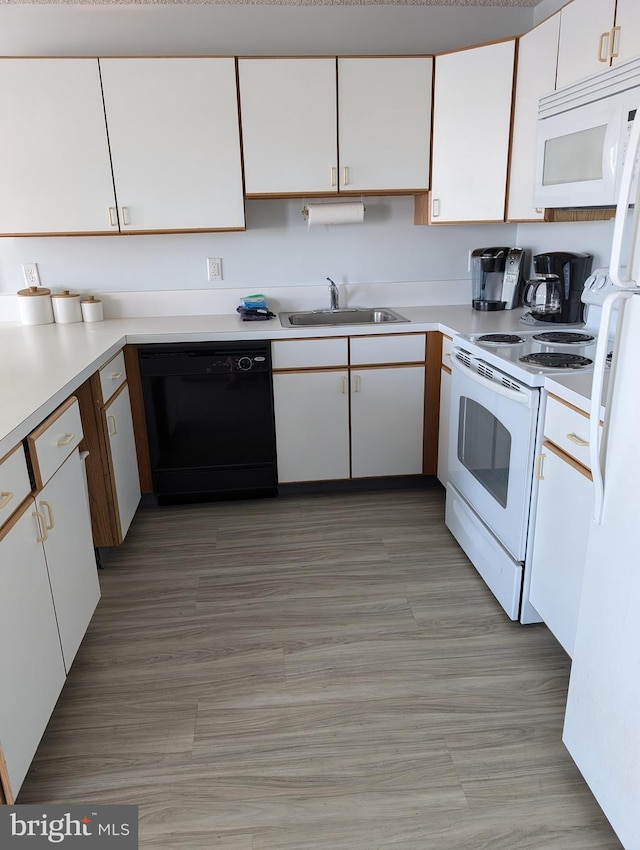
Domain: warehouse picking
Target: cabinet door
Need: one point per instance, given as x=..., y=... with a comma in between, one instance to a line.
x=175, y=146
x=471, y=124
x=626, y=40
x=444, y=423
x=289, y=125
x=563, y=515
x=387, y=421
x=537, y=52
x=69, y=552
x=55, y=174
x=31, y=667
x=384, y=121
x=312, y=425
x=124, y=462
x=582, y=51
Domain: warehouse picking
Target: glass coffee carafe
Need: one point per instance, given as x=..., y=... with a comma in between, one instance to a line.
x=544, y=294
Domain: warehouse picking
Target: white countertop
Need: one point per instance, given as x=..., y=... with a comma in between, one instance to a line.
x=42, y=365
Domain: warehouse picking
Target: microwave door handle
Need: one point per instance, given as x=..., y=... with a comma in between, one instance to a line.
x=622, y=208
x=596, y=456
x=511, y=395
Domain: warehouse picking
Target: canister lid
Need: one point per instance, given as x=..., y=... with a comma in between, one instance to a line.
x=34, y=290
x=65, y=294
x=90, y=299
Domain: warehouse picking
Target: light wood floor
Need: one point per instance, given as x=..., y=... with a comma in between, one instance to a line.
x=322, y=672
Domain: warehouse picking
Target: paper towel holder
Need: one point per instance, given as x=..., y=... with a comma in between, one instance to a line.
x=305, y=209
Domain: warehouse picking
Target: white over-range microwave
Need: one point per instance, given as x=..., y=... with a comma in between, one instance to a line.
x=582, y=136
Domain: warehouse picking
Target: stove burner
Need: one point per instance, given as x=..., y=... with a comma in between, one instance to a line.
x=563, y=337
x=556, y=360
x=500, y=339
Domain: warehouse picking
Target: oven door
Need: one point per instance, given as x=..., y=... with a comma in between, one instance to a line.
x=493, y=429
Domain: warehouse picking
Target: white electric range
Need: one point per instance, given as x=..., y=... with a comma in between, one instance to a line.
x=495, y=414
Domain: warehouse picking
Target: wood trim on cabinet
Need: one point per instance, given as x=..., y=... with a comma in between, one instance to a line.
x=139, y=418
x=568, y=404
x=514, y=86
x=574, y=464
x=596, y=214
x=102, y=501
x=10, y=452
x=432, y=403
x=6, y=795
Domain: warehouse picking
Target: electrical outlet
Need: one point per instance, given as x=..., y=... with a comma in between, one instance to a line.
x=214, y=268
x=31, y=274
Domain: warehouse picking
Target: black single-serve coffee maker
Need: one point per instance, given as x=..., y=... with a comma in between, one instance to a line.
x=554, y=296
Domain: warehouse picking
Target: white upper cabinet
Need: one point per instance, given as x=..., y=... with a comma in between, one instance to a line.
x=55, y=175
x=175, y=145
x=585, y=36
x=289, y=125
x=384, y=121
x=471, y=126
x=536, y=76
x=626, y=36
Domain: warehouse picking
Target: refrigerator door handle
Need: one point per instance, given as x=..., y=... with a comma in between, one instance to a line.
x=595, y=449
x=624, y=200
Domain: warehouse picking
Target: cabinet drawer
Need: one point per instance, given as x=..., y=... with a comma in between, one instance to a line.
x=568, y=428
x=14, y=482
x=447, y=345
x=309, y=353
x=53, y=441
x=398, y=348
x=112, y=375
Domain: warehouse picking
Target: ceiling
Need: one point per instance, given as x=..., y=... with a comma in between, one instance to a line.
x=493, y=3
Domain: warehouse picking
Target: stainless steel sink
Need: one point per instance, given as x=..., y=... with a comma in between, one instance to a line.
x=346, y=316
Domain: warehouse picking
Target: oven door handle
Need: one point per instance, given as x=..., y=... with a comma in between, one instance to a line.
x=511, y=394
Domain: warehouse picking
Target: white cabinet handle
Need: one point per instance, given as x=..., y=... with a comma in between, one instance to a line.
x=356, y=383
x=115, y=375
x=345, y=176
x=51, y=524
x=577, y=440
x=124, y=212
x=113, y=217
x=112, y=418
x=43, y=527
x=5, y=498
x=603, y=47
x=343, y=386
x=66, y=439
x=435, y=208
x=614, y=43
x=538, y=469
x=332, y=175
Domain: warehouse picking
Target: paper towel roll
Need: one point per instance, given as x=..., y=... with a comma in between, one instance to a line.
x=345, y=213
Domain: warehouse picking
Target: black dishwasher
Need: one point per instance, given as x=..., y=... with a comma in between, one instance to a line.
x=209, y=412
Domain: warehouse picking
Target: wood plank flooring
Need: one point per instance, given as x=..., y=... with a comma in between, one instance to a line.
x=312, y=672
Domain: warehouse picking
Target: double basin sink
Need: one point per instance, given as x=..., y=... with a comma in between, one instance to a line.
x=344, y=316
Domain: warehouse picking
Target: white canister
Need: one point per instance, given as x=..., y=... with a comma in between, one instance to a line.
x=66, y=307
x=91, y=309
x=34, y=305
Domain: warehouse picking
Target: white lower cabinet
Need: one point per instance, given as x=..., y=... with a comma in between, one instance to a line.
x=68, y=547
x=563, y=515
x=334, y=422
x=32, y=669
x=124, y=462
x=387, y=420
x=312, y=425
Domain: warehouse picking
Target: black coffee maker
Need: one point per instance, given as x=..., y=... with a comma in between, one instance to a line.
x=564, y=271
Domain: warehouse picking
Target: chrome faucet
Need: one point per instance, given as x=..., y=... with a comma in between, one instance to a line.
x=334, y=295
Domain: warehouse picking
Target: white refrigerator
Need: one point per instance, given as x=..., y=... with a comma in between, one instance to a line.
x=602, y=721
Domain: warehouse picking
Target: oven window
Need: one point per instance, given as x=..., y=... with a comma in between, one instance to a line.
x=484, y=448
